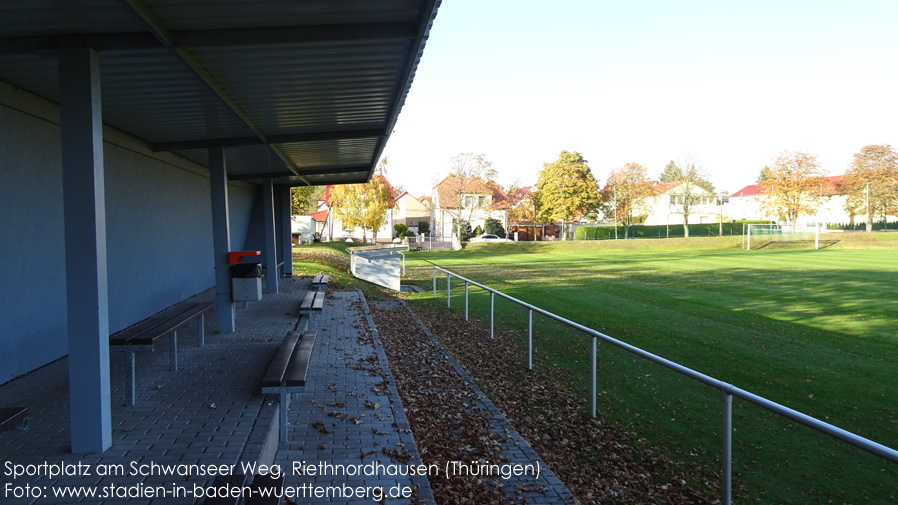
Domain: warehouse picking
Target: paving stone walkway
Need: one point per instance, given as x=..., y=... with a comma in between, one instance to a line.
x=355, y=438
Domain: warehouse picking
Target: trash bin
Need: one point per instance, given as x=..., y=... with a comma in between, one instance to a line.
x=246, y=282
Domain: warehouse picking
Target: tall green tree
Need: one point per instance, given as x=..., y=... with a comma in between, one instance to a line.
x=872, y=183
x=792, y=187
x=565, y=190
x=625, y=195
x=671, y=173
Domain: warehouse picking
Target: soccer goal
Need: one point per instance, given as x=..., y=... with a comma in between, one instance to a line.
x=766, y=233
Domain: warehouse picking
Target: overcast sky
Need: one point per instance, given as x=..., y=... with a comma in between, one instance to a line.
x=731, y=82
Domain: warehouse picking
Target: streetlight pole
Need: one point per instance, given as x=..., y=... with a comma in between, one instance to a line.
x=614, y=188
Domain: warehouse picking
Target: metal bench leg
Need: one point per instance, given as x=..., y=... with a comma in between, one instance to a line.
x=173, y=351
x=313, y=321
x=285, y=407
x=201, y=330
x=129, y=379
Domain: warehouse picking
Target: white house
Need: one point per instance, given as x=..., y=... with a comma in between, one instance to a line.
x=666, y=206
x=745, y=204
x=469, y=199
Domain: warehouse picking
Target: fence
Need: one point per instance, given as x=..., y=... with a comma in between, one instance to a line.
x=728, y=391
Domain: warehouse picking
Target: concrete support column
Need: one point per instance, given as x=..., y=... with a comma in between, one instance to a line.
x=84, y=205
x=221, y=238
x=286, y=232
x=271, y=256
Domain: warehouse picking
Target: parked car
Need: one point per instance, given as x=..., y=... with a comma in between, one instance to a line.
x=487, y=237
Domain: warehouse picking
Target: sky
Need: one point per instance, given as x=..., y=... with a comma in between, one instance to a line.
x=729, y=83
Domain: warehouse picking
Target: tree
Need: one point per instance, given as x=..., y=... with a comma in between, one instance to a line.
x=763, y=175
x=683, y=198
x=671, y=173
x=565, y=190
x=792, y=187
x=520, y=204
x=304, y=199
x=874, y=167
x=626, y=193
x=472, y=165
x=363, y=205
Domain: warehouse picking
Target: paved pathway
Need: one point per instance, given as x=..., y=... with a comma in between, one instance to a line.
x=209, y=412
x=355, y=436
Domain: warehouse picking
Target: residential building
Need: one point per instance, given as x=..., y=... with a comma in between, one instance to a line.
x=469, y=199
x=410, y=210
x=746, y=204
x=666, y=206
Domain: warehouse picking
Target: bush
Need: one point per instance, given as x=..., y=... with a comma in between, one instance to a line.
x=424, y=227
x=660, y=230
x=462, y=228
x=478, y=231
x=494, y=227
x=401, y=230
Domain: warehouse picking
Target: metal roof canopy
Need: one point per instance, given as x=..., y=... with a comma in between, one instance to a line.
x=303, y=92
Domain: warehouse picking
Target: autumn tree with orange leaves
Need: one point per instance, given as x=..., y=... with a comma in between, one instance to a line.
x=626, y=194
x=871, y=183
x=792, y=186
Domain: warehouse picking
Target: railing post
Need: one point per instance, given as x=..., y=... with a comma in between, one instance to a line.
x=529, y=339
x=492, y=303
x=726, y=485
x=448, y=291
x=434, y=283
x=466, y=300
x=592, y=367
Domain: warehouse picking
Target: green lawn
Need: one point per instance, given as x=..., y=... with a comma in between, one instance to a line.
x=813, y=330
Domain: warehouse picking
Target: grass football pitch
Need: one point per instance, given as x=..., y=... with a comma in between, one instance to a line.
x=815, y=331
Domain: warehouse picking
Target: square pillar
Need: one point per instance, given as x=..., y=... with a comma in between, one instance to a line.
x=271, y=256
x=286, y=231
x=84, y=205
x=221, y=238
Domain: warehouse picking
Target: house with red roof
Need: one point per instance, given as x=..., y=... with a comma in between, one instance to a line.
x=746, y=204
x=469, y=199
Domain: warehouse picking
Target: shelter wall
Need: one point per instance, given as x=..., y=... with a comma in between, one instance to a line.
x=159, y=238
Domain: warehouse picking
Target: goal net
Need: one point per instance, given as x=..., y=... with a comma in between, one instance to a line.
x=764, y=234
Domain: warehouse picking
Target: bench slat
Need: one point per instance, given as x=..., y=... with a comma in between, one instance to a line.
x=307, y=301
x=12, y=416
x=172, y=324
x=299, y=365
x=277, y=369
x=125, y=336
x=318, y=303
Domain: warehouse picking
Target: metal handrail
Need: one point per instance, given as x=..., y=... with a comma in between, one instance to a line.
x=728, y=391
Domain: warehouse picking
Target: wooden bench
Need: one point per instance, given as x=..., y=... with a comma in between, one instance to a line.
x=286, y=374
x=13, y=417
x=311, y=306
x=143, y=336
x=319, y=282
